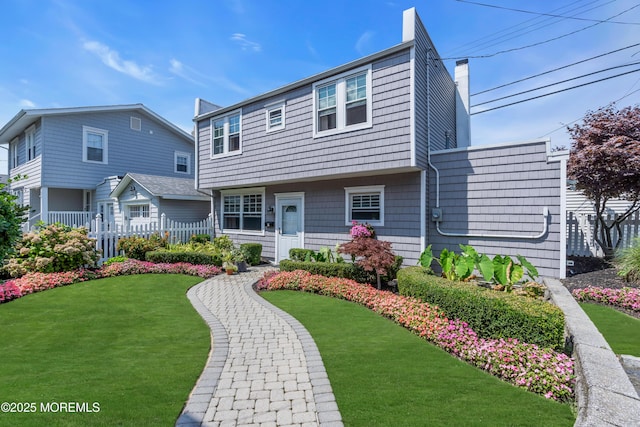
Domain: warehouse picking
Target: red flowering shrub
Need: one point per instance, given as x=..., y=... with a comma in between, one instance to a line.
x=528, y=366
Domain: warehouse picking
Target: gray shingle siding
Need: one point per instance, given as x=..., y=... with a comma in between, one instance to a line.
x=294, y=154
x=324, y=222
x=500, y=190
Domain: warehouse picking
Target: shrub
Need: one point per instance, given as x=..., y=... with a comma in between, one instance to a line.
x=252, y=252
x=200, y=238
x=223, y=243
x=329, y=269
x=172, y=257
x=299, y=254
x=491, y=314
x=628, y=261
x=119, y=258
x=136, y=247
x=53, y=248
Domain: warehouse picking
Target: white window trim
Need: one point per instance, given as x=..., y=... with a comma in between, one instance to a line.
x=226, y=152
x=340, y=81
x=280, y=105
x=105, y=144
x=348, y=191
x=13, y=146
x=177, y=154
x=242, y=192
x=141, y=205
x=30, y=142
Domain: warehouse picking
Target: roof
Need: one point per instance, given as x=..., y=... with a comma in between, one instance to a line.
x=165, y=187
x=24, y=118
x=317, y=77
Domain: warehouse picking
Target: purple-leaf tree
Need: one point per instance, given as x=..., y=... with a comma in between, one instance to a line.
x=605, y=163
x=371, y=254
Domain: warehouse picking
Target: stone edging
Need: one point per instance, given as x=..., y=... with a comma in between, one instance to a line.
x=604, y=393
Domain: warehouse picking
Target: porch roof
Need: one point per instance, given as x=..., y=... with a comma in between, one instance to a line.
x=165, y=187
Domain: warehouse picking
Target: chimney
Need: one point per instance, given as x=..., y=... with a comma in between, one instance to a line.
x=463, y=119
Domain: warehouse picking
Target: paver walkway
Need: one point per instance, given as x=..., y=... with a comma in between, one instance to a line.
x=264, y=368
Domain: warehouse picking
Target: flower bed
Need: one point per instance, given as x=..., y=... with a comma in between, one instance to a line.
x=528, y=366
x=627, y=298
x=36, y=282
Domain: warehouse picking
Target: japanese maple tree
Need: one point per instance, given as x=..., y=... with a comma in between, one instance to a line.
x=371, y=254
x=605, y=163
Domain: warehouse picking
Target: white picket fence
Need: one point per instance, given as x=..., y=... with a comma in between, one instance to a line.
x=107, y=234
x=580, y=237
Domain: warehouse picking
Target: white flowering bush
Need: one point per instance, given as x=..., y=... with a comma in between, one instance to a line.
x=53, y=248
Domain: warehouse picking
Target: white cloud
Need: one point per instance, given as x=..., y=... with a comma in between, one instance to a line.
x=185, y=72
x=364, y=41
x=111, y=58
x=244, y=43
x=25, y=103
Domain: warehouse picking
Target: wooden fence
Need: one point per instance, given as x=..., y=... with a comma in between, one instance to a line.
x=580, y=238
x=107, y=234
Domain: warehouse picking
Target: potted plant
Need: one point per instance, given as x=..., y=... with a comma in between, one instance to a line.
x=228, y=263
x=240, y=260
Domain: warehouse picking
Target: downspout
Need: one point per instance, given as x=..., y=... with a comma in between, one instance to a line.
x=436, y=214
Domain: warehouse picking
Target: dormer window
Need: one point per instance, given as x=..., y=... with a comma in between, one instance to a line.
x=275, y=116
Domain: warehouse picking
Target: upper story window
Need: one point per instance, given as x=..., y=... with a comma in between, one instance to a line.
x=30, y=136
x=342, y=103
x=364, y=204
x=275, y=116
x=135, y=123
x=94, y=145
x=13, y=146
x=182, y=162
x=225, y=135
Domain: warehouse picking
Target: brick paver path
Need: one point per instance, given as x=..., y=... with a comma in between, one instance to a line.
x=264, y=368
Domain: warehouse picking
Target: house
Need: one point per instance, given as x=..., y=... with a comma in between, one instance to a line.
x=75, y=158
x=384, y=140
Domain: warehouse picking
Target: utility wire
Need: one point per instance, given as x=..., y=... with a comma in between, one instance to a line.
x=542, y=42
x=553, y=93
x=553, y=70
x=535, y=24
x=546, y=14
x=556, y=83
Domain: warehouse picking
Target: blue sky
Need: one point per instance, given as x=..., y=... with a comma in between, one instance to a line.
x=164, y=54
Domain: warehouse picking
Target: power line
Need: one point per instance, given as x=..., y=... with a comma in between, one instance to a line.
x=553, y=93
x=556, y=83
x=545, y=41
x=553, y=70
x=535, y=24
x=546, y=14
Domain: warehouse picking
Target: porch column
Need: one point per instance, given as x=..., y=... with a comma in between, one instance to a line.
x=44, y=204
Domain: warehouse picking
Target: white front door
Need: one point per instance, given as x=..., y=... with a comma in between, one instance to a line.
x=289, y=223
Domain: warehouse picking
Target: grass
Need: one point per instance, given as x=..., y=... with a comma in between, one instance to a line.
x=132, y=344
x=621, y=331
x=384, y=375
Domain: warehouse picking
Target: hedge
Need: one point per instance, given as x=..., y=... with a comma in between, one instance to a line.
x=298, y=254
x=253, y=252
x=491, y=314
x=187, y=256
x=329, y=269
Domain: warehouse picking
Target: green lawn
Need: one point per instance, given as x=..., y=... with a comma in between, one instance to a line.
x=621, y=331
x=382, y=375
x=133, y=344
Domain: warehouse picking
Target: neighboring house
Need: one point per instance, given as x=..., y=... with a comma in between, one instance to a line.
x=581, y=218
x=3, y=179
x=295, y=166
x=75, y=157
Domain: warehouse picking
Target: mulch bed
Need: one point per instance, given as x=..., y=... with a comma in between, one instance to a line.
x=591, y=271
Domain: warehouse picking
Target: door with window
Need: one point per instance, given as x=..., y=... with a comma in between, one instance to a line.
x=289, y=223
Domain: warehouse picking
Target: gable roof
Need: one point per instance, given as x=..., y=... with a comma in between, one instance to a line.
x=165, y=187
x=24, y=118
